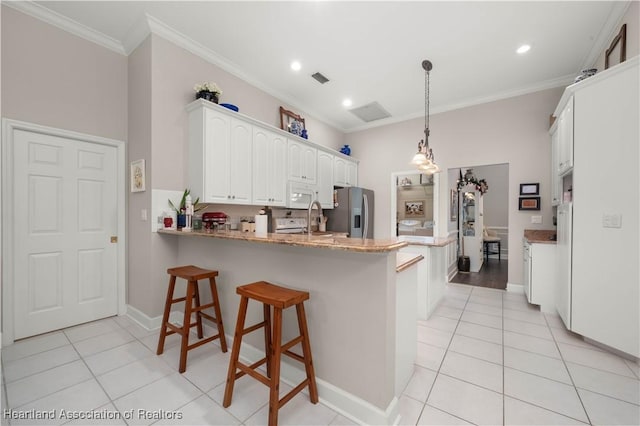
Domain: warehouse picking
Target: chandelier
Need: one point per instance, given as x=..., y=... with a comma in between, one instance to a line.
x=424, y=158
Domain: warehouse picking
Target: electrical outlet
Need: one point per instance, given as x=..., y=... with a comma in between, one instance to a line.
x=612, y=220
x=536, y=219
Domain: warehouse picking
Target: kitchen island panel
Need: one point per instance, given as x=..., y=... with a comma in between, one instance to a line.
x=351, y=311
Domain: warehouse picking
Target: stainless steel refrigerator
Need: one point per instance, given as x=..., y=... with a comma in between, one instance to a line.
x=352, y=212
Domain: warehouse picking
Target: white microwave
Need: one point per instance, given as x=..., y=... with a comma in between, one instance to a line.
x=300, y=195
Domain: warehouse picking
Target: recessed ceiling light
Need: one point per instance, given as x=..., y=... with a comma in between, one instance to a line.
x=523, y=49
x=347, y=103
x=296, y=66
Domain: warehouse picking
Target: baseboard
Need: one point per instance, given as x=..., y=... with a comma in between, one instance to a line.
x=348, y=405
x=151, y=323
x=515, y=288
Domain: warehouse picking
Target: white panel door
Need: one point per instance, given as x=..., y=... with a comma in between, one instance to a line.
x=65, y=212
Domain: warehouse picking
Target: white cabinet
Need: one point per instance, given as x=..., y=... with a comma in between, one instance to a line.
x=269, y=167
x=556, y=181
x=563, y=268
x=345, y=172
x=302, y=162
x=540, y=274
x=325, y=179
x=219, y=157
x=565, y=138
x=598, y=233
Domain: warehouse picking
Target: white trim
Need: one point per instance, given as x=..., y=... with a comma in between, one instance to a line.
x=350, y=406
x=44, y=14
x=606, y=34
x=9, y=126
x=515, y=288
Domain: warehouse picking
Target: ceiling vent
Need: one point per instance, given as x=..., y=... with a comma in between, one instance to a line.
x=370, y=112
x=320, y=78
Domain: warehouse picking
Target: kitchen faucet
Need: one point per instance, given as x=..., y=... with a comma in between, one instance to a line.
x=311, y=204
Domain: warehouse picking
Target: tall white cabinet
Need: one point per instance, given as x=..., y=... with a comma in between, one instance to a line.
x=599, y=233
x=269, y=167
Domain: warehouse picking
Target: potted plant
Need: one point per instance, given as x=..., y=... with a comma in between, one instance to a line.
x=208, y=91
x=180, y=211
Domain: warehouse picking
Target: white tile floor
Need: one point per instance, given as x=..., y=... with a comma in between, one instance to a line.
x=484, y=357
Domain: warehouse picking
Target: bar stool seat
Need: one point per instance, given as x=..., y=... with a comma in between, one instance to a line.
x=278, y=298
x=192, y=274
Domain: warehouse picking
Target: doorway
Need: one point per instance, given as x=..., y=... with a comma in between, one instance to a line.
x=482, y=217
x=63, y=257
x=414, y=204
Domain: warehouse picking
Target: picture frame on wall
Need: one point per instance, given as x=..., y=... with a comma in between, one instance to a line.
x=529, y=189
x=529, y=203
x=414, y=208
x=138, y=176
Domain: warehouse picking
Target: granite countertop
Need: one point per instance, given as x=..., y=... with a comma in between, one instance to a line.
x=301, y=240
x=416, y=240
x=405, y=260
x=540, y=236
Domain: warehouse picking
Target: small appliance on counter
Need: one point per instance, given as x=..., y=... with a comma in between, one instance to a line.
x=211, y=220
x=290, y=225
x=353, y=212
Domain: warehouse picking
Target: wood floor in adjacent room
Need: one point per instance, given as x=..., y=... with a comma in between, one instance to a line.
x=493, y=274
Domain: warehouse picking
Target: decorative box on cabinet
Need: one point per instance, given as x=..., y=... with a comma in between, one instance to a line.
x=219, y=157
x=269, y=167
x=325, y=179
x=302, y=162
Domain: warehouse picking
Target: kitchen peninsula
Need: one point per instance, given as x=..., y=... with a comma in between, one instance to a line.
x=361, y=312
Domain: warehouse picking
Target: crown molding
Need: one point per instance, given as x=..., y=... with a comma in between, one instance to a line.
x=37, y=11
x=544, y=85
x=606, y=34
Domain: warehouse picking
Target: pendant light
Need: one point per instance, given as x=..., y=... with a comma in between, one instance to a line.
x=424, y=158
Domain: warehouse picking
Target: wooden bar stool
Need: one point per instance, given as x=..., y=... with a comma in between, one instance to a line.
x=279, y=298
x=192, y=274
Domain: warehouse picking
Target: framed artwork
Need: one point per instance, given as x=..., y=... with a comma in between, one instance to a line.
x=617, y=51
x=529, y=203
x=529, y=188
x=453, y=206
x=138, y=180
x=414, y=208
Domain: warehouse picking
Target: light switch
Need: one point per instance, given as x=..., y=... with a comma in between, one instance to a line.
x=143, y=214
x=611, y=220
x=536, y=219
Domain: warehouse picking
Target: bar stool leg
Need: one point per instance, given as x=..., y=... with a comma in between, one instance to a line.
x=198, y=313
x=274, y=390
x=216, y=308
x=235, y=352
x=306, y=352
x=268, y=350
x=186, y=326
x=165, y=316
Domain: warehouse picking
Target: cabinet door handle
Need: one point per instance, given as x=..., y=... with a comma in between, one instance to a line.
x=234, y=197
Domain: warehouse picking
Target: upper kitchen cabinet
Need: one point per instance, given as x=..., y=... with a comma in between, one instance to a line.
x=220, y=148
x=269, y=167
x=302, y=162
x=556, y=180
x=345, y=172
x=565, y=138
x=325, y=179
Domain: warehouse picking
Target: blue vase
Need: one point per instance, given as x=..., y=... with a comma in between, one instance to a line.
x=346, y=150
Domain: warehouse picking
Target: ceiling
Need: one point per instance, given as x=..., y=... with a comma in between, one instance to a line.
x=370, y=51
